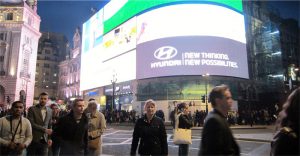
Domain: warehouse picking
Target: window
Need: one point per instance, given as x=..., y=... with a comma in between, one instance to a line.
x=47, y=51
x=1, y=58
x=46, y=65
x=29, y=20
x=9, y=16
x=3, y=36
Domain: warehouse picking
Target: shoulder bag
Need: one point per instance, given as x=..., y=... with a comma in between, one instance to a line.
x=181, y=136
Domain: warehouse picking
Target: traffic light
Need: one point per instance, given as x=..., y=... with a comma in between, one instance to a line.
x=203, y=98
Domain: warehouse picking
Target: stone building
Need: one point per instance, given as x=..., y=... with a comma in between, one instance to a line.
x=19, y=35
x=51, y=51
x=69, y=71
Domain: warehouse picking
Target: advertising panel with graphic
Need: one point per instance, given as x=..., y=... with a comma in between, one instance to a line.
x=116, y=55
x=191, y=39
x=144, y=39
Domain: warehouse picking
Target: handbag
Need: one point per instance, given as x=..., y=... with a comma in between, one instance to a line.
x=180, y=135
x=94, y=143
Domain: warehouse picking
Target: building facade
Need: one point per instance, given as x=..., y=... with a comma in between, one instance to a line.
x=51, y=51
x=273, y=53
x=69, y=71
x=19, y=35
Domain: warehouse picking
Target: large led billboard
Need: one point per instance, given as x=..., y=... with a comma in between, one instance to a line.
x=191, y=39
x=145, y=39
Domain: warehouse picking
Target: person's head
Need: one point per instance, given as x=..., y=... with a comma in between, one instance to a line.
x=55, y=108
x=43, y=98
x=17, y=108
x=183, y=107
x=92, y=106
x=221, y=98
x=91, y=99
x=289, y=116
x=78, y=106
x=150, y=107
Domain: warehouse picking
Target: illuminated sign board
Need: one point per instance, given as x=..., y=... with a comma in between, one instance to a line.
x=145, y=39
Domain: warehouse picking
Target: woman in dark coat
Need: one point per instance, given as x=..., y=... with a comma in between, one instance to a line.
x=286, y=140
x=185, y=122
x=150, y=133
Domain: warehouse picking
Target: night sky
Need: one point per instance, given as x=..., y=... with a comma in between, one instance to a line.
x=64, y=16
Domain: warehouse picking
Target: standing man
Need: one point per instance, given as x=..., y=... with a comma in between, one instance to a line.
x=15, y=133
x=40, y=118
x=72, y=130
x=217, y=138
x=97, y=125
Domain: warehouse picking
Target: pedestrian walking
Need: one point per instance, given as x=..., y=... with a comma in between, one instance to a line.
x=40, y=118
x=286, y=140
x=55, y=148
x=97, y=126
x=72, y=131
x=15, y=132
x=185, y=121
x=149, y=133
x=217, y=138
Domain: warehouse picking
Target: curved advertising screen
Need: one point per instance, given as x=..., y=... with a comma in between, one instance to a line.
x=143, y=39
x=191, y=39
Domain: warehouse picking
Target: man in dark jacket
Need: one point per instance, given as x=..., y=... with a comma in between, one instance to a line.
x=72, y=130
x=150, y=132
x=217, y=138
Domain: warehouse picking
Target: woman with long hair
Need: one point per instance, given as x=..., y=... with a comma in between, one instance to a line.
x=286, y=140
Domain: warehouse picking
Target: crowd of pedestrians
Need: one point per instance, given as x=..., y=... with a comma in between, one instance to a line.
x=48, y=131
x=120, y=116
x=77, y=131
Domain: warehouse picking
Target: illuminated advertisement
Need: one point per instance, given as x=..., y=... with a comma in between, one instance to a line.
x=191, y=39
x=92, y=32
x=144, y=39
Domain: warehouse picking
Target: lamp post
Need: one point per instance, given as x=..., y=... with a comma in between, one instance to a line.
x=206, y=83
x=113, y=81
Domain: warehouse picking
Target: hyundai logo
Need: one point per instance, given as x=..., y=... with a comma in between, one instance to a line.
x=166, y=52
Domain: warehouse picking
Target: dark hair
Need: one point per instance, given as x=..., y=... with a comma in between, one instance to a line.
x=15, y=103
x=43, y=94
x=217, y=93
x=181, y=106
x=91, y=99
x=53, y=104
x=291, y=108
x=76, y=101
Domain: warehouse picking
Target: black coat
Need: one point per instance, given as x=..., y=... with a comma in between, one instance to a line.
x=286, y=142
x=73, y=136
x=185, y=122
x=217, y=138
x=152, y=137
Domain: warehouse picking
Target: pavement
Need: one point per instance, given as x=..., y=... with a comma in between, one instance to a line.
x=266, y=136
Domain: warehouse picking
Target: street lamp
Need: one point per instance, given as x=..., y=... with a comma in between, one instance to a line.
x=113, y=81
x=206, y=83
